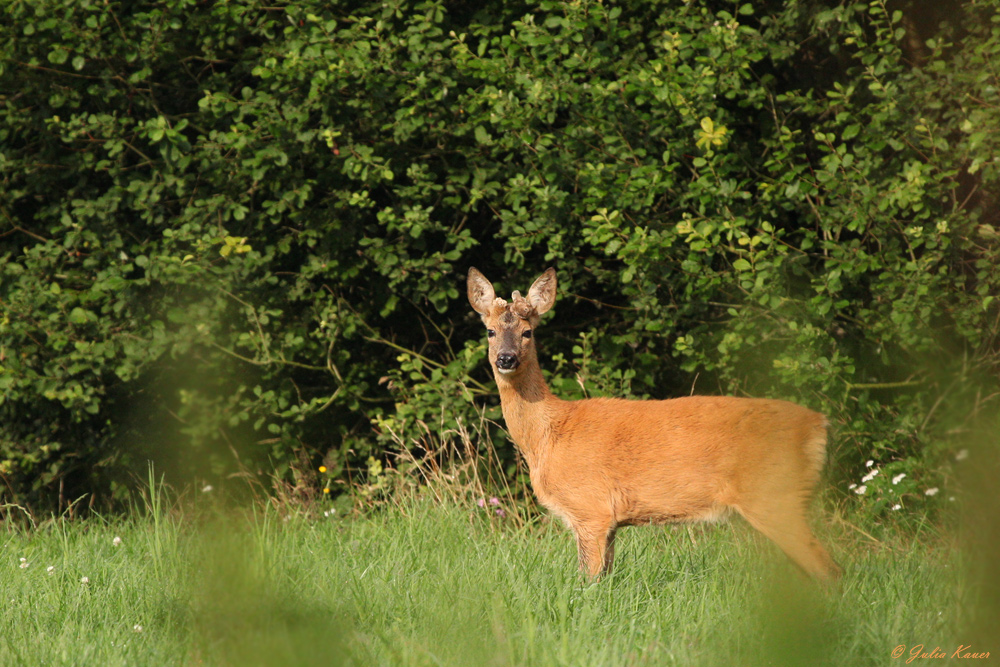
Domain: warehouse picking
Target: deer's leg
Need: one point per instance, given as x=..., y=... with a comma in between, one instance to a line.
x=595, y=547
x=609, y=551
x=787, y=527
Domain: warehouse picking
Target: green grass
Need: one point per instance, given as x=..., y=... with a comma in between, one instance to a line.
x=427, y=583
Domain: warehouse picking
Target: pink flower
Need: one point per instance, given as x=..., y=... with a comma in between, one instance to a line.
x=494, y=501
x=500, y=512
x=481, y=502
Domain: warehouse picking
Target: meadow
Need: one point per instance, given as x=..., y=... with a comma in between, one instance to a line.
x=425, y=582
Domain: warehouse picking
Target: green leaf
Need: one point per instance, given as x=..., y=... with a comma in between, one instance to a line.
x=79, y=316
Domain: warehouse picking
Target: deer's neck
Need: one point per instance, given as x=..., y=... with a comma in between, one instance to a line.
x=530, y=411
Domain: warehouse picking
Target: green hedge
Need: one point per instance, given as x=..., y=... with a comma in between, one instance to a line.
x=234, y=235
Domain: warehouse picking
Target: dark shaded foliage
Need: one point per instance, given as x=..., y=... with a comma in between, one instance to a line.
x=234, y=236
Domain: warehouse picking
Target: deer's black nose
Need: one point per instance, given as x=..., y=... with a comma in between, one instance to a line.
x=507, y=362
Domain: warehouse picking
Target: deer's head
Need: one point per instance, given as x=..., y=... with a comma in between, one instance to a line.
x=510, y=324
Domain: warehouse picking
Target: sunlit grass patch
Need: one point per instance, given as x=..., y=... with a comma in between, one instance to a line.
x=422, y=582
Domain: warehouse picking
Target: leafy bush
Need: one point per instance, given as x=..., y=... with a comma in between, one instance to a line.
x=241, y=230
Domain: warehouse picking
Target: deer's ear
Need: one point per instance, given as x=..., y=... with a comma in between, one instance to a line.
x=480, y=290
x=542, y=295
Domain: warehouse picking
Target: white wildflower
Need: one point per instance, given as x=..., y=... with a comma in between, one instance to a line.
x=24, y=563
x=207, y=488
x=50, y=569
x=117, y=541
x=870, y=476
x=869, y=463
x=861, y=490
x=852, y=486
x=136, y=628
x=931, y=492
x=897, y=506
x=85, y=580
x=961, y=454
x=898, y=478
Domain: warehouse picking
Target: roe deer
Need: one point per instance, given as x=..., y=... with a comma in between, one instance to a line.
x=603, y=463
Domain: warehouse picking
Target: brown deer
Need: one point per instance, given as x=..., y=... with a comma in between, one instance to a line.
x=603, y=463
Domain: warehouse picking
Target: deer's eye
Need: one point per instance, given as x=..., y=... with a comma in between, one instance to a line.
x=526, y=334
x=490, y=333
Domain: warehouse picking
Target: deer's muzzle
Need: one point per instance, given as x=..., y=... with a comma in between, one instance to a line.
x=506, y=362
